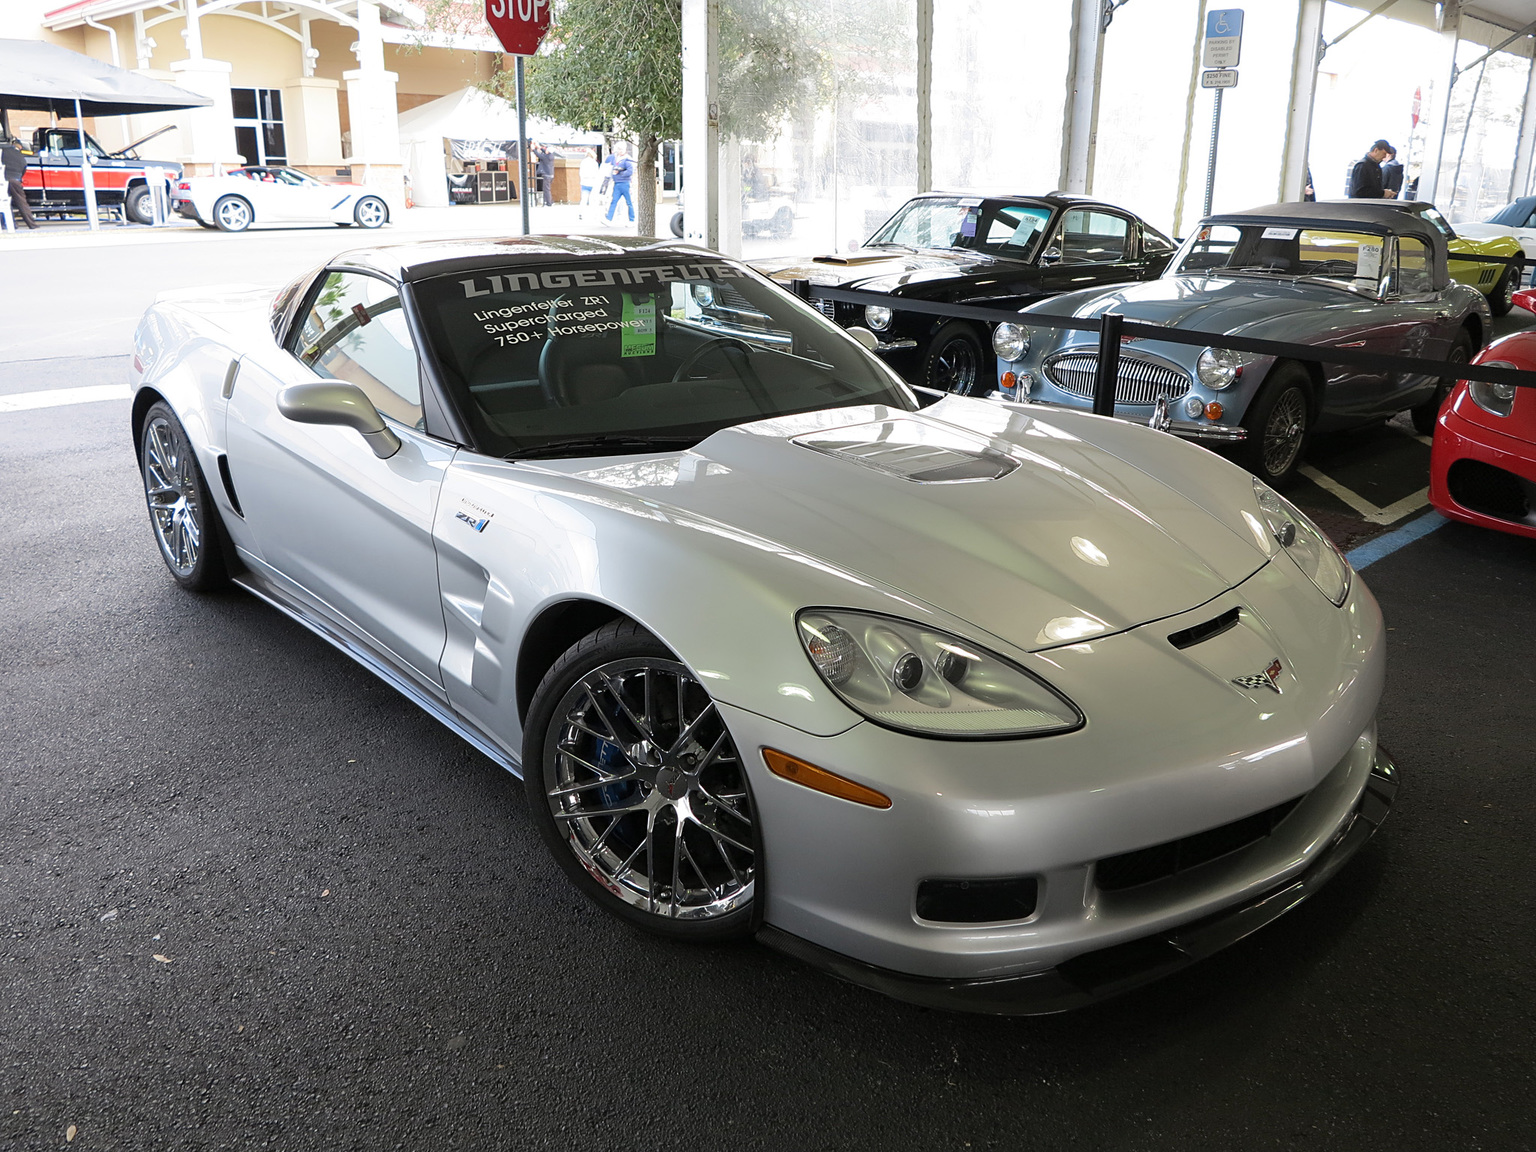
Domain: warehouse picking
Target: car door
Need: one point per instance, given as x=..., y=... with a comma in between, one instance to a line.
x=350, y=530
x=304, y=199
x=1090, y=247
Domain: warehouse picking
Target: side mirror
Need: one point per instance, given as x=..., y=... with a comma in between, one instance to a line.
x=1051, y=255
x=865, y=337
x=343, y=404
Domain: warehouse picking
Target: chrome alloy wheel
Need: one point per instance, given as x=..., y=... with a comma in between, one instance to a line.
x=648, y=790
x=1284, y=430
x=955, y=367
x=170, y=487
x=371, y=212
x=232, y=214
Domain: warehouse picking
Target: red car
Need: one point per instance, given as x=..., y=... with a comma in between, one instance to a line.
x=1482, y=468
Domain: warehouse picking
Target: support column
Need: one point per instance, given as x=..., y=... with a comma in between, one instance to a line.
x=1080, y=114
x=1520, y=178
x=925, y=95
x=701, y=122
x=207, y=134
x=1298, y=124
x=1434, y=150
x=312, y=122
x=373, y=113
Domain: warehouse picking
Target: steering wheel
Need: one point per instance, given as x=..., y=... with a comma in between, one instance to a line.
x=704, y=349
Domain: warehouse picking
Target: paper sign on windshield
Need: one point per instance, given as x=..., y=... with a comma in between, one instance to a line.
x=1368, y=263
x=1280, y=233
x=638, y=339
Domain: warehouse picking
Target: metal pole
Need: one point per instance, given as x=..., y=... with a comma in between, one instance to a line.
x=1109, y=361
x=925, y=95
x=1210, y=169
x=88, y=181
x=522, y=144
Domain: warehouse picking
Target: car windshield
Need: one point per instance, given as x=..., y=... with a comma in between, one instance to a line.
x=1003, y=229
x=608, y=357
x=1349, y=260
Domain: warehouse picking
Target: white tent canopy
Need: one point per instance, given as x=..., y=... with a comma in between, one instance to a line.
x=469, y=114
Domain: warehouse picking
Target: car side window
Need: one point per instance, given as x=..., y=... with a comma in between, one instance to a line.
x=1413, y=278
x=1530, y=221
x=355, y=331
x=1154, y=243
x=1089, y=237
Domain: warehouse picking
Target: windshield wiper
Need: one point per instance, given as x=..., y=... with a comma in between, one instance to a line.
x=603, y=446
x=890, y=244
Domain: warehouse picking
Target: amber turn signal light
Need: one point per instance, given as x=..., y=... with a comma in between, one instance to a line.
x=820, y=780
x=1213, y=411
x=1010, y=380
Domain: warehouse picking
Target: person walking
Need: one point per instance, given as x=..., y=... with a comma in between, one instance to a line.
x=1392, y=176
x=590, y=174
x=546, y=167
x=623, y=173
x=15, y=166
x=1365, y=177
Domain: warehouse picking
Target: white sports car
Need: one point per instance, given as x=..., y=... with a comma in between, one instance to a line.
x=273, y=194
x=985, y=705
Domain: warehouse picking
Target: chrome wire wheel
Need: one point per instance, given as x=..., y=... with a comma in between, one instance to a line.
x=1284, y=431
x=648, y=791
x=171, y=490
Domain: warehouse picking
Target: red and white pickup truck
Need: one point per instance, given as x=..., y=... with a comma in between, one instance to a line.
x=54, y=181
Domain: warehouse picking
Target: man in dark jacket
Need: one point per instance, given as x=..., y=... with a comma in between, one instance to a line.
x=1392, y=176
x=15, y=165
x=1365, y=177
x=544, y=163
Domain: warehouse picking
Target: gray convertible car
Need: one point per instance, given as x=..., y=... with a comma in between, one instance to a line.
x=1355, y=275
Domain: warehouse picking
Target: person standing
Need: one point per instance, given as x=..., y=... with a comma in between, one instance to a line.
x=590, y=173
x=1365, y=177
x=623, y=173
x=1392, y=176
x=546, y=166
x=15, y=165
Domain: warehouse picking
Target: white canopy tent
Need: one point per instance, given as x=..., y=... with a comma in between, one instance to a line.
x=469, y=114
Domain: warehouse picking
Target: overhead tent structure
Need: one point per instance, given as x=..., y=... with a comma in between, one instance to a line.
x=468, y=123
x=36, y=76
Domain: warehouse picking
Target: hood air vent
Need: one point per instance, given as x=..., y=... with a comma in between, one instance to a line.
x=914, y=450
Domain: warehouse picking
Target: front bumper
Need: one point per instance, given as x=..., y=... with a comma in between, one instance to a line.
x=1503, y=497
x=1108, y=972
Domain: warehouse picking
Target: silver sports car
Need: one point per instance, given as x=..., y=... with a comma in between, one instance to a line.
x=984, y=705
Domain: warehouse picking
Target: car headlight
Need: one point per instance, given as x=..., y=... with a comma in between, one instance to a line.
x=1219, y=367
x=877, y=318
x=1495, y=399
x=1304, y=542
x=1010, y=341
x=916, y=679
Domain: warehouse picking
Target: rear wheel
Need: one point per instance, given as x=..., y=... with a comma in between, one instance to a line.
x=371, y=212
x=953, y=362
x=639, y=790
x=232, y=214
x=138, y=205
x=181, y=511
x=1277, y=422
x=1502, y=298
x=1425, y=414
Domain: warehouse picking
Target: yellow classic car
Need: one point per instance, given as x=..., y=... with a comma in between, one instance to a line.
x=1498, y=282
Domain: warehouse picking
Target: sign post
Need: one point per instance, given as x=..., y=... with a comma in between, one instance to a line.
x=520, y=26
x=1223, y=49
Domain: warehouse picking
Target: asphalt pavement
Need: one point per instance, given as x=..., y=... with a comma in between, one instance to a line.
x=252, y=898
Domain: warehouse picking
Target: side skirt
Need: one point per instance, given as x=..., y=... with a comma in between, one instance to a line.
x=351, y=646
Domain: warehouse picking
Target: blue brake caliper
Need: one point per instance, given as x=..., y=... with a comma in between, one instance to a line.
x=611, y=758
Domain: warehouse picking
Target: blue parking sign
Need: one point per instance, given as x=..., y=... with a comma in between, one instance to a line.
x=1223, y=22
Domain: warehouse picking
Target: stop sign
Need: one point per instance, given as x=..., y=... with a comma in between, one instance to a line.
x=518, y=24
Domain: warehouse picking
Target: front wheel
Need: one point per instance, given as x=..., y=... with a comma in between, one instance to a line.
x=638, y=789
x=181, y=511
x=232, y=214
x=953, y=362
x=1277, y=422
x=138, y=205
x=1425, y=414
x=371, y=212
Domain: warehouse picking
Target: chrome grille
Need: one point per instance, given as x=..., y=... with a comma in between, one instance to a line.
x=1138, y=381
x=828, y=308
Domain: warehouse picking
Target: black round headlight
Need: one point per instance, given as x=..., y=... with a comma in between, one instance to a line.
x=908, y=672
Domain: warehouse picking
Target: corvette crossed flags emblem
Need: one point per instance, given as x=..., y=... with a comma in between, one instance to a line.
x=1269, y=678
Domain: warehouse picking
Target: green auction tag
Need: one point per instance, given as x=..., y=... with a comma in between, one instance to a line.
x=639, y=331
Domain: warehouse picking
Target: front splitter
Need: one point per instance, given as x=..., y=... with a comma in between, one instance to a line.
x=1108, y=972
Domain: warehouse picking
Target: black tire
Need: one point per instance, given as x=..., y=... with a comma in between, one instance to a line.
x=1278, y=423
x=137, y=205
x=598, y=686
x=1502, y=298
x=954, y=362
x=205, y=224
x=182, y=514
x=232, y=214
x=1425, y=414
x=371, y=212
x=677, y=224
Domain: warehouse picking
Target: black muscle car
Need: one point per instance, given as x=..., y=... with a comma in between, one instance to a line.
x=988, y=251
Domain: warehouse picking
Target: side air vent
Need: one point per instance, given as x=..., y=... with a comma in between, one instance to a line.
x=229, y=485
x=1189, y=637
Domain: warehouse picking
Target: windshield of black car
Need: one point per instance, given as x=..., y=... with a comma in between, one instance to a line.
x=670, y=349
x=1002, y=229
x=1343, y=259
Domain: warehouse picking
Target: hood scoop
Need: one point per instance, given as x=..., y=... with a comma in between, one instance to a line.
x=855, y=258
x=914, y=450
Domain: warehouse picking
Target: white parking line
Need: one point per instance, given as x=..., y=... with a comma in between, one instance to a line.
x=58, y=397
x=1368, y=511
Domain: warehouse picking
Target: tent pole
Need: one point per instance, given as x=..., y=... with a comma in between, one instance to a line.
x=87, y=179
